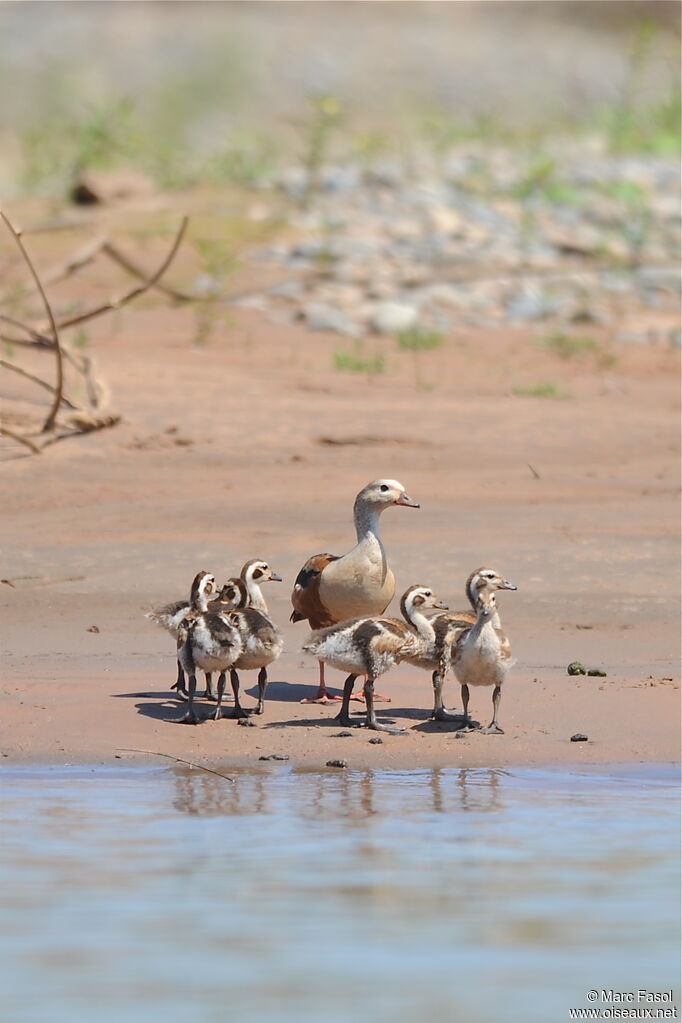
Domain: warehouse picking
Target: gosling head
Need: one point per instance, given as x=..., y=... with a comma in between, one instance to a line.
x=260, y=572
x=381, y=494
x=203, y=587
x=420, y=598
x=485, y=579
x=233, y=594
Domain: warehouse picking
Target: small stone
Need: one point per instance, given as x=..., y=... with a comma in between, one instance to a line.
x=337, y=763
x=459, y=735
x=246, y=722
x=320, y=316
x=597, y=673
x=376, y=741
x=576, y=668
x=93, y=628
x=275, y=756
x=392, y=317
x=342, y=735
x=579, y=737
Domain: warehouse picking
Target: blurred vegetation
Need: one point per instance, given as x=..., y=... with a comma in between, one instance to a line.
x=189, y=126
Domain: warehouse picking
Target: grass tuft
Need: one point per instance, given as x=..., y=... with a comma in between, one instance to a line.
x=543, y=389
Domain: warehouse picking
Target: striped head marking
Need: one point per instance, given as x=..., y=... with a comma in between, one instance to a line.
x=420, y=598
x=485, y=579
x=203, y=587
x=259, y=571
x=233, y=594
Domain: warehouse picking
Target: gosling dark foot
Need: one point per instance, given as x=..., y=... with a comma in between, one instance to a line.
x=376, y=727
x=442, y=715
x=492, y=729
x=348, y=722
x=190, y=718
x=180, y=692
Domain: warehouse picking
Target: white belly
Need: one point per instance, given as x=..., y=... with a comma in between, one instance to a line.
x=479, y=662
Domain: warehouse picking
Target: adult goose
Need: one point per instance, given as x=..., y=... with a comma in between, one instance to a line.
x=330, y=589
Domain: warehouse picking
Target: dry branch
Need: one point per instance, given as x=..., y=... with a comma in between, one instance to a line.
x=116, y=303
x=20, y=438
x=36, y=380
x=56, y=401
x=179, y=760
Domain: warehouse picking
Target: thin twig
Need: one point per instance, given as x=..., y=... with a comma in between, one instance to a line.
x=20, y=439
x=118, y=257
x=116, y=303
x=57, y=400
x=199, y=767
x=534, y=471
x=35, y=380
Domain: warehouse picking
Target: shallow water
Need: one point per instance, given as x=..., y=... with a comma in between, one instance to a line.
x=480, y=895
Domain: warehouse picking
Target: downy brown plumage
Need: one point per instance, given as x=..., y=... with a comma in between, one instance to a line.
x=371, y=645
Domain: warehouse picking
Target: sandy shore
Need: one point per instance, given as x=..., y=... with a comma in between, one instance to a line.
x=254, y=445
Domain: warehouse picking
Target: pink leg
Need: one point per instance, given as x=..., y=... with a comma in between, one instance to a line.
x=360, y=696
x=323, y=695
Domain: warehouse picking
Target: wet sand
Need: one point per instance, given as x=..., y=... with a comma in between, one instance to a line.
x=254, y=445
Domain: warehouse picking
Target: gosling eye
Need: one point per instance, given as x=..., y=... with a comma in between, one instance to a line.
x=383, y=488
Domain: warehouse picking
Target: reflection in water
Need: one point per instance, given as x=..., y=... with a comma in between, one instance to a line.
x=294, y=896
x=354, y=796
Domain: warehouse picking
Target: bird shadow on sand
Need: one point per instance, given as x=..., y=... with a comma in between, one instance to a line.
x=289, y=692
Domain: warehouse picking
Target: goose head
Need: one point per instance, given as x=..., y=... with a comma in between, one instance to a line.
x=381, y=494
x=203, y=587
x=260, y=572
x=420, y=598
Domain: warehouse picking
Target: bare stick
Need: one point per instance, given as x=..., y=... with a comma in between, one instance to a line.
x=179, y=760
x=35, y=380
x=534, y=471
x=118, y=257
x=116, y=303
x=64, y=270
x=57, y=400
x=21, y=440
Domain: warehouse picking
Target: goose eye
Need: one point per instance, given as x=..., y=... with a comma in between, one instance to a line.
x=383, y=487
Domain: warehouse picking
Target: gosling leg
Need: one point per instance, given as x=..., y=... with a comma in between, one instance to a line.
x=210, y=693
x=343, y=717
x=371, y=716
x=221, y=690
x=262, y=686
x=239, y=711
x=179, y=684
x=439, y=711
x=190, y=718
x=493, y=728
x=468, y=725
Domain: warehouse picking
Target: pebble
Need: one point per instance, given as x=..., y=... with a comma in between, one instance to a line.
x=576, y=668
x=579, y=737
x=275, y=756
x=392, y=317
x=342, y=735
x=410, y=239
x=376, y=741
x=596, y=673
x=337, y=763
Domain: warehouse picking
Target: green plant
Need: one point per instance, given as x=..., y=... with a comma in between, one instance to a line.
x=543, y=389
x=358, y=362
x=418, y=339
x=567, y=346
x=324, y=117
